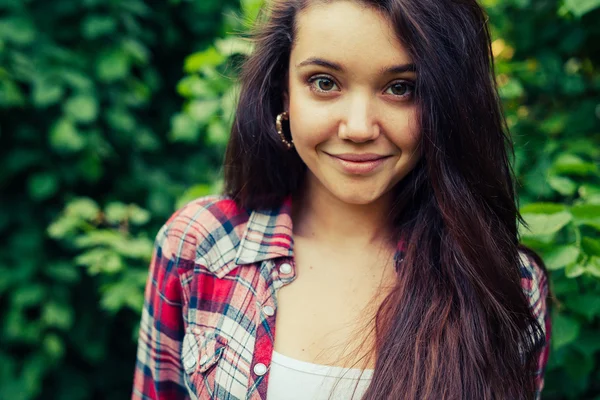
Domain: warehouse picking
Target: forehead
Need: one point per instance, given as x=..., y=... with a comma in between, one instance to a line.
x=348, y=32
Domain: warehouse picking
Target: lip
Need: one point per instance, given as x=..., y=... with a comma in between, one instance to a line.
x=358, y=164
x=359, y=157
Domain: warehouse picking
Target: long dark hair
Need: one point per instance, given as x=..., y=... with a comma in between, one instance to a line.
x=457, y=324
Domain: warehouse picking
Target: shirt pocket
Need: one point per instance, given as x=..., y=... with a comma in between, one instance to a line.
x=201, y=351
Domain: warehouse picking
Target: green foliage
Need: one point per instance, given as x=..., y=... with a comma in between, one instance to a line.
x=550, y=85
x=86, y=101
x=115, y=113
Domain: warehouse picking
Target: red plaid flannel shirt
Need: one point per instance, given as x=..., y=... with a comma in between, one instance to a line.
x=208, y=323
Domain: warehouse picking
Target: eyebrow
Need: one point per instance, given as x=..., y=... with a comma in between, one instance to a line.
x=394, y=69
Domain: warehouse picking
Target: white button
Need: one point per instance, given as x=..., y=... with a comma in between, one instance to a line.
x=269, y=311
x=285, y=268
x=197, y=331
x=260, y=369
x=203, y=359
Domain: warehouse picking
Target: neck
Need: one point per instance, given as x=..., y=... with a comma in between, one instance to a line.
x=319, y=215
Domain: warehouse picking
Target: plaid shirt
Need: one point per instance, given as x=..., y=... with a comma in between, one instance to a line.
x=208, y=323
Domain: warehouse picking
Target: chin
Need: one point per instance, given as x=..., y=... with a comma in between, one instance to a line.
x=358, y=197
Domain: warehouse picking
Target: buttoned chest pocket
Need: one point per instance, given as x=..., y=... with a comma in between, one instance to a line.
x=202, y=355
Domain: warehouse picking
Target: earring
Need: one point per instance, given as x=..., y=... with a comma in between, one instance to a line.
x=279, y=127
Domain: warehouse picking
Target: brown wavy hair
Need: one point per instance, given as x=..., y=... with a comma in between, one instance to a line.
x=457, y=325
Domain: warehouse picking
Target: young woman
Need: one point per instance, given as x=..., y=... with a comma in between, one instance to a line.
x=366, y=245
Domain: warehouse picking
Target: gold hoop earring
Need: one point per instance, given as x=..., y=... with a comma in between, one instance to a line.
x=279, y=126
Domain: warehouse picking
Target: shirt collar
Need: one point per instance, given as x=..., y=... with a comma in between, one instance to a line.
x=268, y=235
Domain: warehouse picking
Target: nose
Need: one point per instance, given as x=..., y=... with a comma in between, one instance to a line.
x=359, y=124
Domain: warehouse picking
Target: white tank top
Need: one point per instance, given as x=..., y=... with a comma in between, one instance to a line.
x=291, y=379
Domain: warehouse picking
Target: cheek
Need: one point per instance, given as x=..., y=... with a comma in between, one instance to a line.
x=404, y=131
x=310, y=123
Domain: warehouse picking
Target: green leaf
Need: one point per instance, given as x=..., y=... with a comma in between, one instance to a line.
x=184, y=129
x=513, y=89
x=99, y=260
x=578, y=365
x=587, y=190
x=63, y=227
x=543, y=208
x=83, y=208
x=138, y=215
x=565, y=287
x=57, y=315
x=64, y=137
x=53, y=346
x=101, y=237
x=251, y=8
x=82, y=108
x=115, y=212
x=217, y=134
x=545, y=224
x=561, y=256
x=26, y=296
x=46, y=93
x=95, y=26
x=562, y=185
x=234, y=45
x=202, y=111
x=574, y=270
x=18, y=30
x=570, y=164
x=42, y=186
x=113, y=65
x=590, y=246
x=581, y=7
x=64, y=272
x=588, y=342
x=136, y=50
x=194, y=86
x=554, y=124
x=207, y=58
x=120, y=295
x=565, y=330
x=587, y=305
x=587, y=214
x=121, y=119
x=229, y=102
x=593, y=266
x=139, y=248
x=77, y=80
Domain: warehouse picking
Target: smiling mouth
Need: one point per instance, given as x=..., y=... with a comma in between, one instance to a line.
x=359, y=164
x=352, y=157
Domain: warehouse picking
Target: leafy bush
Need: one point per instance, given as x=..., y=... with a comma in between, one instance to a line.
x=86, y=103
x=98, y=149
x=547, y=66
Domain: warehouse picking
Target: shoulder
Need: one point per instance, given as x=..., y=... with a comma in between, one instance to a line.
x=534, y=277
x=202, y=227
x=535, y=284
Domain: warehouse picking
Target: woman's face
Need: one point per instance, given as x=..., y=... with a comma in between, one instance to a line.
x=352, y=113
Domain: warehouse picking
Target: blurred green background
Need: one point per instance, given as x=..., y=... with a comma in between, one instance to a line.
x=113, y=113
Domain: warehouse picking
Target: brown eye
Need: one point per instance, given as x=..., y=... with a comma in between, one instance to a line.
x=322, y=84
x=401, y=89
x=325, y=84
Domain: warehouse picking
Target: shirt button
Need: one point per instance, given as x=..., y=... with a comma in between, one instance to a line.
x=260, y=369
x=269, y=311
x=285, y=268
